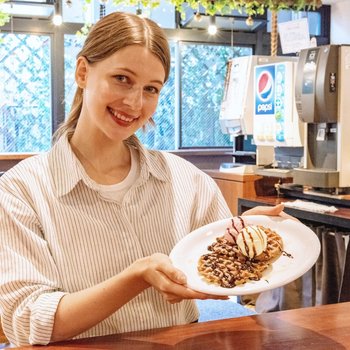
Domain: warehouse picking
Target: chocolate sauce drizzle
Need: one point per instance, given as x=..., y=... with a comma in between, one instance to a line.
x=258, y=232
x=235, y=228
x=242, y=221
x=284, y=253
x=232, y=236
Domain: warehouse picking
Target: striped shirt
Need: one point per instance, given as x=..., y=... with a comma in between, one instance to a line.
x=59, y=235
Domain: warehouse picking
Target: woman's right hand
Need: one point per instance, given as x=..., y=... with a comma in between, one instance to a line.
x=108, y=296
x=158, y=271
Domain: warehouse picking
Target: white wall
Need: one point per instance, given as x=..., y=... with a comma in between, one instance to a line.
x=340, y=23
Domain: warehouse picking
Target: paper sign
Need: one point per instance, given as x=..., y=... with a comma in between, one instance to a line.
x=294, y=35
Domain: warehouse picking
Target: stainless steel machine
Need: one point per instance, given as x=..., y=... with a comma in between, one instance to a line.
x=322, y=92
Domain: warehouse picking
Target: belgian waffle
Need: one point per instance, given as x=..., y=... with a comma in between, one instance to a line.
x=274, y=246
x=227, y=267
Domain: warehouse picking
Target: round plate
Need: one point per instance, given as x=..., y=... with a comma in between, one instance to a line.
x=298, y=240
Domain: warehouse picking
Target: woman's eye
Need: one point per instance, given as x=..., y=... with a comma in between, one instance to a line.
x=121, y=78
x=152, y=89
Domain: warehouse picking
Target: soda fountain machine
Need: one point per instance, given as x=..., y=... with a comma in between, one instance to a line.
x=237, y=109
x=276, y=123
x=323, y=103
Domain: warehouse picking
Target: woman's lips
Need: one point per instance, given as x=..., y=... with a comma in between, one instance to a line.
x=119, y=117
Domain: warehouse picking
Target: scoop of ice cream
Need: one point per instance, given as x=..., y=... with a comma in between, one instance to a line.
x=237, y=224
x=252, y=241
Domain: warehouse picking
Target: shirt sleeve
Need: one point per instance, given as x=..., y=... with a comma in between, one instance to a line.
x=29, y=282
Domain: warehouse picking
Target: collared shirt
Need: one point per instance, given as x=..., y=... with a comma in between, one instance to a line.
x=59, y=235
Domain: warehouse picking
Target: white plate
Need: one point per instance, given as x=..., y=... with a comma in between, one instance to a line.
x=298, y=240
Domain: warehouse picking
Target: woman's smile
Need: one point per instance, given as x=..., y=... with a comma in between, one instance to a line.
x=122, y=119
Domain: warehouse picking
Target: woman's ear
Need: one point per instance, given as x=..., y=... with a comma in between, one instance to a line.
x=82, y=67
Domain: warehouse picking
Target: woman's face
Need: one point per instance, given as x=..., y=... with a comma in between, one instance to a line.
x=120, y=93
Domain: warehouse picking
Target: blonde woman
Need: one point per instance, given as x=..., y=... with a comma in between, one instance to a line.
x=86, y=228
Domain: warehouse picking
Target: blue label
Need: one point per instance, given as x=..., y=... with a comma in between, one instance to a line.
x=280, y=86
x=264, y=90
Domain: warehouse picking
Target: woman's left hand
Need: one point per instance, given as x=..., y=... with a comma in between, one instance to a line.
x=276, y=210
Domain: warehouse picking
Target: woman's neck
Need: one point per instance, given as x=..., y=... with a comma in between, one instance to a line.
x=105, y=162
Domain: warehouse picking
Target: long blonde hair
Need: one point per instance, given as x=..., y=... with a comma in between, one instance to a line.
x=110, y=34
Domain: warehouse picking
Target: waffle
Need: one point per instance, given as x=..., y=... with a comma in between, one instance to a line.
x=227, y=267
x=274, y=246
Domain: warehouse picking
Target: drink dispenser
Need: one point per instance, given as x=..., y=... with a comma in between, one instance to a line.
x=323, y=75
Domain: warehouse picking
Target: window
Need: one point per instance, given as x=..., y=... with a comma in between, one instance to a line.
x=25, y=90
x=72, y=46
x=203, y=69
x=163, y=135
x=314, y=19
x=201, y=81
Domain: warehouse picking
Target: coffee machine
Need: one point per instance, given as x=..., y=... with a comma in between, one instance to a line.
x=323, y=102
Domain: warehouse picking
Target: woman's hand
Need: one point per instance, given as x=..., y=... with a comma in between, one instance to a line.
x=158, y=271
x=276, y=210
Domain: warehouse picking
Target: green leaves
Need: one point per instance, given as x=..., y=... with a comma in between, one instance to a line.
x=211, y=7
x=222, y=7
x=4, y=17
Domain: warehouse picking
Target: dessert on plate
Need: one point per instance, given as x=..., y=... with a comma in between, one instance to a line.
x=241, y=254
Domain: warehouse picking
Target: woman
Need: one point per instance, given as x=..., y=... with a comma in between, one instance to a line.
x=86, y=228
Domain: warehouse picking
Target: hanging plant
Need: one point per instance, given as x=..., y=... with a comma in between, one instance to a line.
x=4, y=17
x=212, y=7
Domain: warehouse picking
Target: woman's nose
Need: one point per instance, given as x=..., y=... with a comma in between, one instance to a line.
x=133, y=97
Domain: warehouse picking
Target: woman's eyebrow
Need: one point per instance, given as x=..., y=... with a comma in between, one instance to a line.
x=133, y=73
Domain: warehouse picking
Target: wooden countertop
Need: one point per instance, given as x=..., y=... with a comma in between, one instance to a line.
x=217, y=174
x=315, y=328
x=15, y=156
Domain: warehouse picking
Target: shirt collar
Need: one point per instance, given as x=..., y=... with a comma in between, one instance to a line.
x=67, y=170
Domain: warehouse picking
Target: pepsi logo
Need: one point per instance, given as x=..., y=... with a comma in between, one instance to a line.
x=265, y=85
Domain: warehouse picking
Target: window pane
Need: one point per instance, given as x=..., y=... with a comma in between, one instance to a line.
x=162, y=135
x=25, y=90
x=72, y=45
x=164, y=14
x=313, y=18
x=203, y=74
x=72, y=12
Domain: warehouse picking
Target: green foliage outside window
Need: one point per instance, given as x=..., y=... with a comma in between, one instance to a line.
x=203, y=75
x=25, y=90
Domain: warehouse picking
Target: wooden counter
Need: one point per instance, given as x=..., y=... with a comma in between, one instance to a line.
x=316, y=328
x=8, y=160
x=234, y=186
